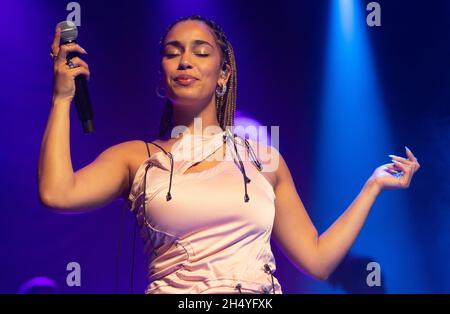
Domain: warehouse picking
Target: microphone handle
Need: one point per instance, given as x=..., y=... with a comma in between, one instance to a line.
x=82, y=99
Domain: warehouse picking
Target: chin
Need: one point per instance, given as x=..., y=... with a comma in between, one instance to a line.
x=185, y=101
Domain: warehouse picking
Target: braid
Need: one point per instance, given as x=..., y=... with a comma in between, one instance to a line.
x=226, y=104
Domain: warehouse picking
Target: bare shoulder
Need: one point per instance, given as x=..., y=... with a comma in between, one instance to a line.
x=122, y=150
x=275, y=163
x=270, y=158
x=130, y=154
x=135, y=152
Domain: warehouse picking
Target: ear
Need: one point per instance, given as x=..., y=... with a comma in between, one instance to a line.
x=225, y=75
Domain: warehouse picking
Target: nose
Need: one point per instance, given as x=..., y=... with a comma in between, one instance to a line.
x=185, y=62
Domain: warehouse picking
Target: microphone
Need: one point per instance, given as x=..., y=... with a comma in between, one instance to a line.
x=83, y=104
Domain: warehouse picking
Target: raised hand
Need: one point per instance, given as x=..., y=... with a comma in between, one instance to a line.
x=398, y=174
x=65, y=72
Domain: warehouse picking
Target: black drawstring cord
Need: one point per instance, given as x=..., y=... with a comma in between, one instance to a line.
x=239, y=286
x=268, y=270
x=253, y=155
x=246, y=179
x=168, y=196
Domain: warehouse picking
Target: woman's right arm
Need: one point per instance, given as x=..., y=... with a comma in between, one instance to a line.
x=93, y=186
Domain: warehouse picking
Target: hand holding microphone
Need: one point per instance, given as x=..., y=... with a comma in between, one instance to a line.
x=70, y=72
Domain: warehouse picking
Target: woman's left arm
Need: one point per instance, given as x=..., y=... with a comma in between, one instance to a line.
x=297, y=237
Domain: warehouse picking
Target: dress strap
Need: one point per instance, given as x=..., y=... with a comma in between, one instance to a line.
x=159, y=146
x=148, y=150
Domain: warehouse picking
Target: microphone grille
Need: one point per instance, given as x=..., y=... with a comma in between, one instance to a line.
x=69, y=31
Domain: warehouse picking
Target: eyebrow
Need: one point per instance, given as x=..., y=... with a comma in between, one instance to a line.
x=196, y=42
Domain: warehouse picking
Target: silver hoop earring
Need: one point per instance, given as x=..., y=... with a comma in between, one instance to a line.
x=220, y=93
x=157, y=92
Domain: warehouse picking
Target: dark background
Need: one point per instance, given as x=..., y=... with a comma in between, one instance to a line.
x=342, y=107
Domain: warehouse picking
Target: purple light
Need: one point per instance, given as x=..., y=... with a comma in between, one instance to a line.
x=38, y=285
x=244, y=125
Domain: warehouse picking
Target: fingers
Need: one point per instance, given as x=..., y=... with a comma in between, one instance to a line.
x=410, y=154
x=80, y=70
x=78, y=62
x=401, y=166
x=413, y=158
x=411, y=161
x=391, y=170
x=55, y=42
x=77, y=65
x=402, y=169
x=401, y=159
x=65, y=49
x=408, y=172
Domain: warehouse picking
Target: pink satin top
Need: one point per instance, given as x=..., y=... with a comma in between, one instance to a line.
x=204, y=237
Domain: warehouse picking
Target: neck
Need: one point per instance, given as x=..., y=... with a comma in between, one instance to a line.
x=202, y=120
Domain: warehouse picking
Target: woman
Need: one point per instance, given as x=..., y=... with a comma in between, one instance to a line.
x=206, y=220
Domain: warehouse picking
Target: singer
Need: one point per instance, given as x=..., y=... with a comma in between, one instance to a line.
x=206, y=220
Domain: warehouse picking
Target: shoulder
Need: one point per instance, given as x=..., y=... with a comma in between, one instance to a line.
x=128, y=156
x=267, y=154
x=270, y=158
x=123, y=150
x=135, y=152
x=129, y=148
x=274, y=164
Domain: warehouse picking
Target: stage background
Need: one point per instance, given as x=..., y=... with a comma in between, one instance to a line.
x=344, y=94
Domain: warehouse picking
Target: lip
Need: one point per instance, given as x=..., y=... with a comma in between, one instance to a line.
x=185, y=80
x=184, y=77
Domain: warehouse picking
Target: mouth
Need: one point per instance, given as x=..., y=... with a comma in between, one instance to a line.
x=185, y=81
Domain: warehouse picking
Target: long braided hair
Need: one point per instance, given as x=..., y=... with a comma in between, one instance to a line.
x=226, y=104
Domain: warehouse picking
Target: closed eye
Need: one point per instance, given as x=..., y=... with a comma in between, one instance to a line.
x=198, y=54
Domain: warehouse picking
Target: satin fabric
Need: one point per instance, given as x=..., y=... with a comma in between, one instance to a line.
x=206, y=239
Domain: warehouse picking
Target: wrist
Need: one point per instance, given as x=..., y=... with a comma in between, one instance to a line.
x=60, y=101
x=373, y=187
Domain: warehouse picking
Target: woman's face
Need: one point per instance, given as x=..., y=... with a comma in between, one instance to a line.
x=190, y=49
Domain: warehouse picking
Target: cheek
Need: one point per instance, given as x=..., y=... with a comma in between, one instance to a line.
x=166, y=72
x=209, y=73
